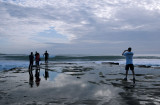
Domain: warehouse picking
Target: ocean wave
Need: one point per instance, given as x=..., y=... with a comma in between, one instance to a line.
x=8, y=61
x=72, y=57
x=9, y=64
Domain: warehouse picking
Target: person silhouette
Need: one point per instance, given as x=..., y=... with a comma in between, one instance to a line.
x=31, y=60
x=37, y=58
x=46, y=56
x=129, y=62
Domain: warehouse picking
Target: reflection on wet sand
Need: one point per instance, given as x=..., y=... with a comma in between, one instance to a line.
x=31, y=76
x=46, y=74
x=93, y=84
x=37, y=76
x=66, y=85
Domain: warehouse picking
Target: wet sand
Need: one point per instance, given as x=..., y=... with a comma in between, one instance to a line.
x=80, y=84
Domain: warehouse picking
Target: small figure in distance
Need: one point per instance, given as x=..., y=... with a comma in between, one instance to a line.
x=37, y=58
x=31, y=59
x=129, y=62
x=46, y=56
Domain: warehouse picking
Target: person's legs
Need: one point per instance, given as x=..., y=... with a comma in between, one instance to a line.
x=133, y=73
x=127, y=68
x=132, y=69
x=126, y=75
x=37, y=64
x=46, y=60
x=30, y=65
x=133, y=76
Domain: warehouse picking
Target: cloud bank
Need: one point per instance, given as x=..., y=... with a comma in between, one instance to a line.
x=79, y=27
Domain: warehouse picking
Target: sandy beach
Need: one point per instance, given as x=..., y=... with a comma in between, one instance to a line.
x=80, y=84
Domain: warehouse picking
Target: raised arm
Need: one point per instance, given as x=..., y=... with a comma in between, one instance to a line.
x=124, y=51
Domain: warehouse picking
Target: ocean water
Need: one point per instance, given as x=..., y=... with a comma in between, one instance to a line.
x=9, y=61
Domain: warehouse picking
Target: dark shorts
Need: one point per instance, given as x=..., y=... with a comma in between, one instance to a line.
x=129, y=66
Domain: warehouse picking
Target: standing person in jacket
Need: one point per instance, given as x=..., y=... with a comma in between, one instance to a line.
x=37, y=58
x=129, y=62
x=31, y=60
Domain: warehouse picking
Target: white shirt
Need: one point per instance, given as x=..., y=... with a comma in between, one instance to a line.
x=129, y=57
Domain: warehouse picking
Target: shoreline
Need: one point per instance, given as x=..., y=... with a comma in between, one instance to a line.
x=73, y=83
x=26, y=63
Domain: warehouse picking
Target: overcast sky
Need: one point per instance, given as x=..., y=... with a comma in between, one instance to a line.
x=97, y=27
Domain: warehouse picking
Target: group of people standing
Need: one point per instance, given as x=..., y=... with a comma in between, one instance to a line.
x=127, y=53
x=37, y=58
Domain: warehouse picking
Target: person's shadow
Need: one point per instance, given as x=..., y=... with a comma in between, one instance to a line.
x=46, y=74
